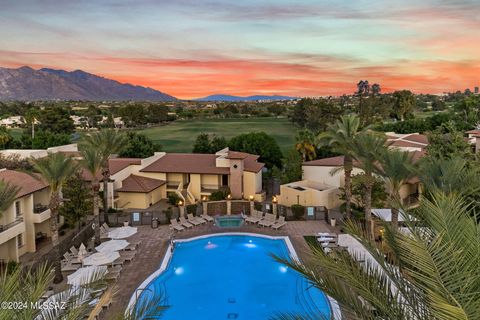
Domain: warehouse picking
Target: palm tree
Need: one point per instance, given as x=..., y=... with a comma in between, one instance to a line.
x=435, y=275
x=27, y=286
x=367, y=149
x=306, y=144
x=92, y=162
x=55, y=169
x=107, y=142
x=396, y=168
x=453, y=175
x=340, y=136
x=8, y=193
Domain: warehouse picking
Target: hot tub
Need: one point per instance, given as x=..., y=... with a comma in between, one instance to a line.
x=229, y=221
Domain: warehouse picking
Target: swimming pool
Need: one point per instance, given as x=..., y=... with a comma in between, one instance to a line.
x=232, y=276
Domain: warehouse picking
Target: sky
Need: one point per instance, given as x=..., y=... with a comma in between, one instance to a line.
x=194, y=48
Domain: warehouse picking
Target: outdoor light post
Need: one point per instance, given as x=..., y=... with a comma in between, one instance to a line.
x=229, y=204
x=204, y=205
x=274, y=205
x=181, y=208
x=252, y=204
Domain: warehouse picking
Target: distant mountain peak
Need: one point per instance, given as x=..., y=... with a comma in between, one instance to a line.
x=26, y=83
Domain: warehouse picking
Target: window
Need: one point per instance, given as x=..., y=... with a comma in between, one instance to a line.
x=20, y=240
x=18, y=209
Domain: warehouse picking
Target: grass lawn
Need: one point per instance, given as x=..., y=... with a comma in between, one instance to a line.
x=16, y=133
x=179, y=136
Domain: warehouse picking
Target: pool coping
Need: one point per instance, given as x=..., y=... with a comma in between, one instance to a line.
x=335, y=308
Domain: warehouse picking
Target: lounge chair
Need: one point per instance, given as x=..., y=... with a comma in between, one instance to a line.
x=74, y=251
x=280, y=223
x=198, y=219
x=268, y=221
x=207, y=217
x=175, y=225
x=130, y=247
x=255, y=217
x=185, y=223
x=137, y=243
x=192, y=220
x=127, y=256
x=106, y=227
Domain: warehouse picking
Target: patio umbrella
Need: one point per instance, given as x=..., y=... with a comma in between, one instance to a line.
x=101, y=258
x=112, y=245
x=122, y=233
x=86, y=274
x=82, y=250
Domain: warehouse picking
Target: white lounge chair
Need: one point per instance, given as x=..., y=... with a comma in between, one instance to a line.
x=198, y=219
x=255, y=217
x=207, y=217
x=280, y=223
x=106, y=227
x=186, y=223
x=268, y=221
x=175, y=225
x=193, y=221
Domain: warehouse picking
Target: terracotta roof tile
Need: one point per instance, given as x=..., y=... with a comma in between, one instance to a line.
x=420, y=138
x=118, y=164
x=27, y=183
x=237, y=155
x=187, y=163
x=251, y=164
x=134, y=183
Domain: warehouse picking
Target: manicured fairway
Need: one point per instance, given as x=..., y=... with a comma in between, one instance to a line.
x=180, y=135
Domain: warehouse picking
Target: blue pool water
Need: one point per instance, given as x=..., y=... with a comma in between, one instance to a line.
x=233, y=277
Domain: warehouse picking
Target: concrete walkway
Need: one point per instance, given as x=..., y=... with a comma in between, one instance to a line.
x=155, y=242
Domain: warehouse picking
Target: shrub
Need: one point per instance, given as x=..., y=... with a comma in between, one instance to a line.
x=173, y=198
x=12, y=266
x=192, y=208
x=219, y=194
x=298, y=211
x=168, y=214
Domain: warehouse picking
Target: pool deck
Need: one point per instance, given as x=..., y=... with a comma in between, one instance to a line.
x=155, y=242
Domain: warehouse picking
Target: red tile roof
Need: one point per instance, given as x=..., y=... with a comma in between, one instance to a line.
x=420, y=138
x=199, y=163
x=186, y=163
x=117, y=164
x=27, y=183
x=140, y=184
x=250, y=164
x=474, y=132
x=407, y=144
x=338, y=161
x=237, y=155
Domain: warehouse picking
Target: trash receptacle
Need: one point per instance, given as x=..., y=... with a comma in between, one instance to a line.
x=154, y=223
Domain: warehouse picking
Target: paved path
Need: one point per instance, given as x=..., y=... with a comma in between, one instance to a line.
x=155, y=242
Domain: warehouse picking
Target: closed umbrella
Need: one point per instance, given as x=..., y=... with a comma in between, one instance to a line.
x=122, y=233
x=112, y=245
x=101, y=258
x=86, y=274
x=82, y=252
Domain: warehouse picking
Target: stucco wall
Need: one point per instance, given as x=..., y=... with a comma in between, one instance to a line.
x=309, y=197
x=322, y=174
x=137, y=200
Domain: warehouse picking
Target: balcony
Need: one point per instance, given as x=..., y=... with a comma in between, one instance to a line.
x=11, y=230
x=208, y=188
x=41, y=213
x=172, y=185
x=412, y=200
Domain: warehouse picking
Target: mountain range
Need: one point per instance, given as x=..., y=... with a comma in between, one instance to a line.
x=229, y=98
x=26, y=83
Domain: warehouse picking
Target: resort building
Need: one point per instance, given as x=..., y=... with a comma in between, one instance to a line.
x=27, y=220
x=323, y=178
x=141, y=183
